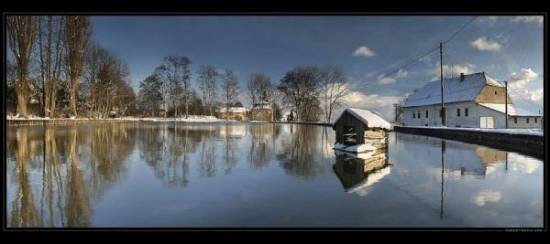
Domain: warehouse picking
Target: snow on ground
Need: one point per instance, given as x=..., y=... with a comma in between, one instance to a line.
x=191, y=118
x=533, y=132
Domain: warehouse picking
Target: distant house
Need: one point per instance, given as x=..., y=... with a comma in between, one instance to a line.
x=261, y=112
x=473, y=101
x=232, y=113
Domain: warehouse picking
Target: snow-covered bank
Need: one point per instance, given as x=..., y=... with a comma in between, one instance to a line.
x=532, y=132
x=191, y=118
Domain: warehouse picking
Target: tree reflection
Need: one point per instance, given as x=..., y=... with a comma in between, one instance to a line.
x=24, y=212
x=298, y=157
x=70, y=171
x=262, y=143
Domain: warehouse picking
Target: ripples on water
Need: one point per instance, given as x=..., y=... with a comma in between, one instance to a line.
x=258, y=175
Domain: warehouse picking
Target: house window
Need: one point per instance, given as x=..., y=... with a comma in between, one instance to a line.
x=527, y=120
x=535, y=120
x=414, y=115
x=515, y=120
x=458, y=112
x=466, y=112
x=495, y=92
x=427, y=114
x=419, y=114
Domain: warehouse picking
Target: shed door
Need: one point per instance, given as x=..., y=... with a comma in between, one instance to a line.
x=487, y=122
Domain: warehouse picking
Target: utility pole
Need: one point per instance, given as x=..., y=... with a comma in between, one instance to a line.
x=443, y=122
x=506, y=102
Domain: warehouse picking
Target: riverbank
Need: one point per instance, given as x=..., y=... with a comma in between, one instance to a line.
x=191, y=119
x=527, y=141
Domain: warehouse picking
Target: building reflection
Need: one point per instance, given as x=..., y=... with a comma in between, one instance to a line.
x=59, y=171
x=359, y=174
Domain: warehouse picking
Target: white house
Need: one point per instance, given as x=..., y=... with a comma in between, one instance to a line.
x=473, y=101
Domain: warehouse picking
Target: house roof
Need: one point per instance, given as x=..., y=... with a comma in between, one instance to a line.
x=454, y=90
x=512, y=110
x=233, y=110
x=371, y=119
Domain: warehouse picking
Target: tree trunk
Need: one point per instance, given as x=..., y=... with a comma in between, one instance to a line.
x=22, y=96
x=72, y=98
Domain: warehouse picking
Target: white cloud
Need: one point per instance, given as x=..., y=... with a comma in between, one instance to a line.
x=528, y=19
x=517, y=85
x=521, y=79
x=363, y=51
x=379, y=103
x=518, y=19
x=384, y=80
x=485, y=196
x=484, y=44
x=452, y=70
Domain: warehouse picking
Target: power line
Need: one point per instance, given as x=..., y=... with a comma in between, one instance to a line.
x=414, y=60
x=461, y=29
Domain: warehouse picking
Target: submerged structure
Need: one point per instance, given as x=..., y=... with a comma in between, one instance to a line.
x=472, y=101
x=360, y=131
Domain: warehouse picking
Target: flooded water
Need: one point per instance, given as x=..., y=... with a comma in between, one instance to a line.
x=258, y=175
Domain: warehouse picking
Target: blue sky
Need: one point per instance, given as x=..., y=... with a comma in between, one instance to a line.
x=507, y=47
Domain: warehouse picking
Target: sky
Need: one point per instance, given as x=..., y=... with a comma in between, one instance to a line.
x=371, y=50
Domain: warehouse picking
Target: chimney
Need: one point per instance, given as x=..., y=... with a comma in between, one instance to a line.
x=461, y=76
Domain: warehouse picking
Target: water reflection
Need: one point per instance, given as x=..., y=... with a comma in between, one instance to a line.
x=77, y=175
x=358, y=175
x=60, y=170
x=301, y=155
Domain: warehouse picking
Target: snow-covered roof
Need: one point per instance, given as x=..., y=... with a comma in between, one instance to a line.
x=371, y=119
x=454, y=90
x=512, y=110
x=233, y=110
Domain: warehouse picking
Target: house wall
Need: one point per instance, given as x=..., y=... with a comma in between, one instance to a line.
x=231, y=115
x=261, y=114
x=433, y=119
x=492, y=94
x=522, y=122
x=475, y=111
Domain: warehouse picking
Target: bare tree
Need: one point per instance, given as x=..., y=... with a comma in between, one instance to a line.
x=50, y=56
x=77, y=34
x=175, y=72
x=22, y=32
x=106, y=82
x=333, y=89
x=230, y=88
x=300, y=89
x=260, y=88
x=208, y=84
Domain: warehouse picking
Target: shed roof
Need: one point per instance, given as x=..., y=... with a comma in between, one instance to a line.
x=370, y=119
x=454, y=90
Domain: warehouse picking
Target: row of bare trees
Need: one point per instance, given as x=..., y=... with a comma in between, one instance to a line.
x=55, y=61
x=170, y=88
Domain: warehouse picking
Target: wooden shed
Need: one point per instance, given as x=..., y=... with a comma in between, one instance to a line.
x=359, y=126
